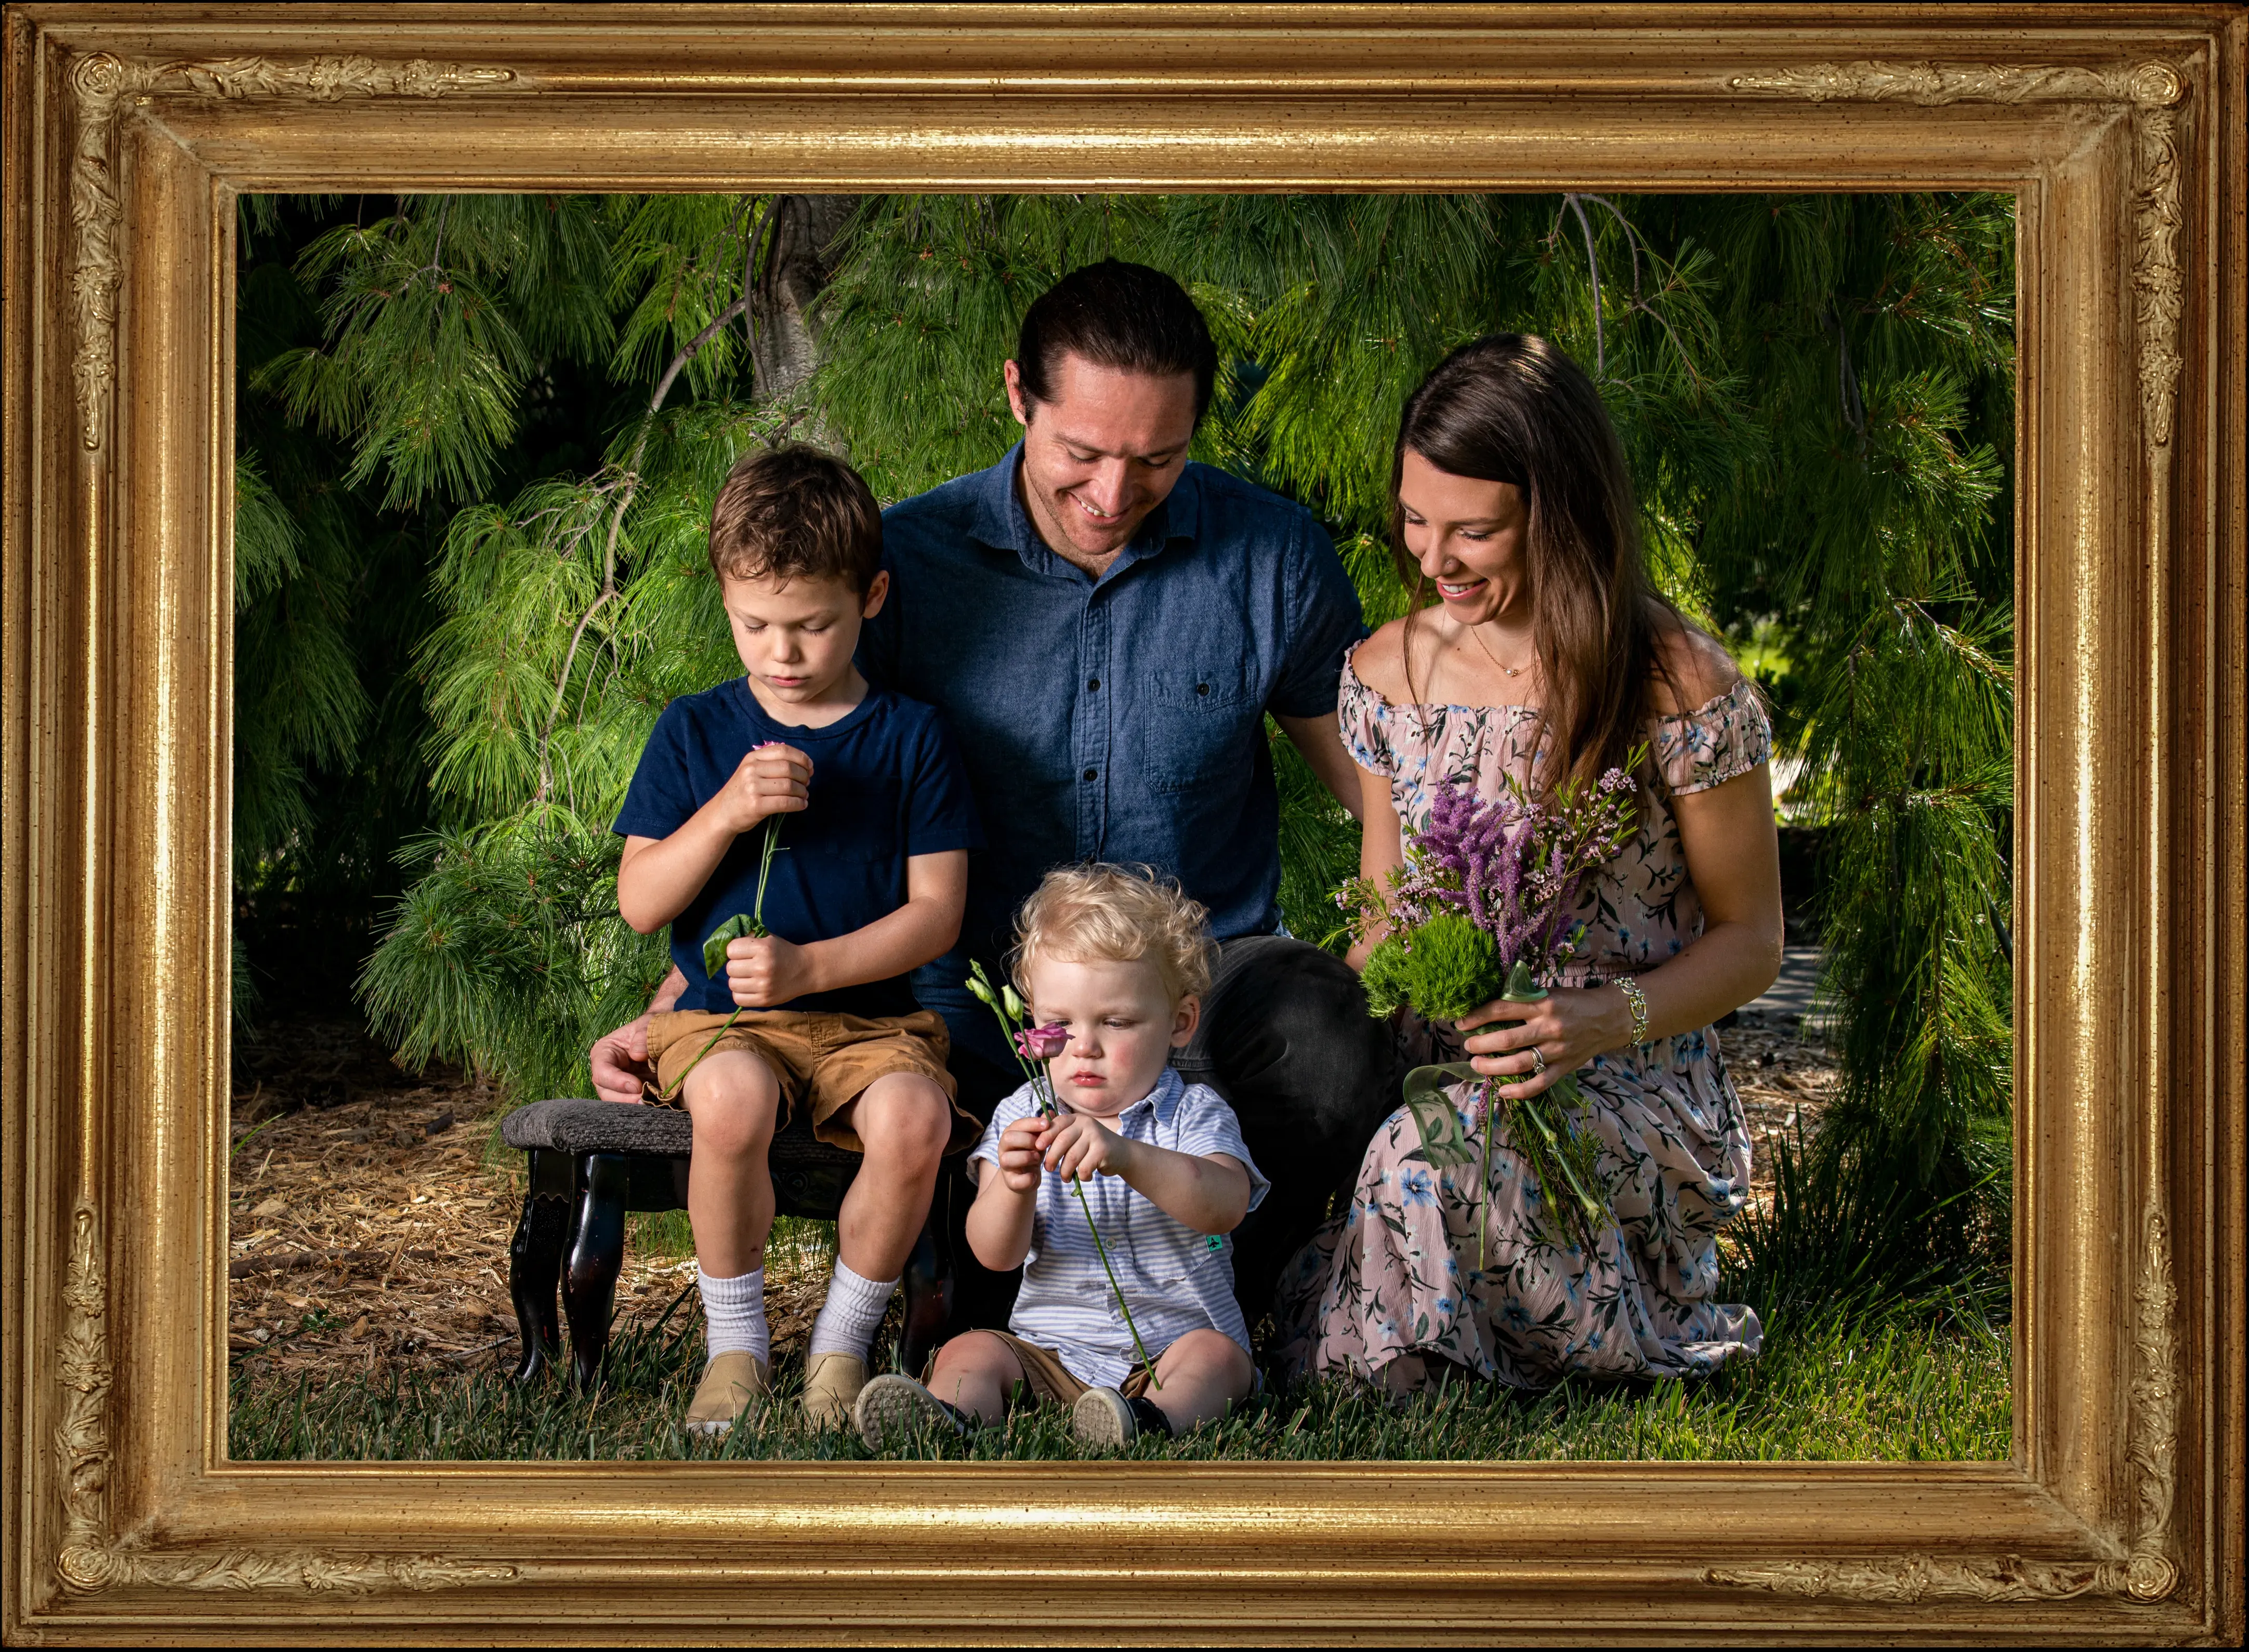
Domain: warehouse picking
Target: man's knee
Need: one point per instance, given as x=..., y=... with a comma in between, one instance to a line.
x=1286, y=1035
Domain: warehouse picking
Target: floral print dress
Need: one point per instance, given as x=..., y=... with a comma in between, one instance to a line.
x=1396, y=1272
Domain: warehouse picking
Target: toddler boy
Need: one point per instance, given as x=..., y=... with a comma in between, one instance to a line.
x=1118, y=964
x=875, y=827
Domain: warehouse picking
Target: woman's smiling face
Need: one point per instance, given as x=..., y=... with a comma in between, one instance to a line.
x=1123, y=1028
x=1466, y=535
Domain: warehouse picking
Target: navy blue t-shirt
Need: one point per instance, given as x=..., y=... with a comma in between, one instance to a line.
x=886, y=784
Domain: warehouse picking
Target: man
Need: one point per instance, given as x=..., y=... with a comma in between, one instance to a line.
x=1105, y=625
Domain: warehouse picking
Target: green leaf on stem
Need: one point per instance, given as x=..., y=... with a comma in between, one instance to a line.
x=741, y=925
x=1442, y=1144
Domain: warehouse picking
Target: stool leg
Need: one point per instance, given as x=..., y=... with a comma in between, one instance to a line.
x=534, y=1265
x=929, y=1293
x=597, y=1252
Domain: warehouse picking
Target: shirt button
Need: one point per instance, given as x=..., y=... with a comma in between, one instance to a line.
x=1202, y=688
x=1093, y=773
x=1092, y=683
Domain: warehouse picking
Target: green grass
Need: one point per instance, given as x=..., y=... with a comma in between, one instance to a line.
x=664, y=1236
x=1903, y=1384
x=1872, y=1353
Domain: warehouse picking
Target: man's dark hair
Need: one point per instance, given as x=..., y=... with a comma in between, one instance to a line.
x=1119, y=315
x=793, y=512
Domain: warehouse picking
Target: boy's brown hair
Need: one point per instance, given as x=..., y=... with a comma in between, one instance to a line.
x=792, y=512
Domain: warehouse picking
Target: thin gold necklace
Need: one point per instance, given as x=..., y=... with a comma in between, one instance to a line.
x=1512, y=670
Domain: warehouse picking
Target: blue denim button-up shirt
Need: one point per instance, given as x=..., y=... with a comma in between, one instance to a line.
x=1113, y=719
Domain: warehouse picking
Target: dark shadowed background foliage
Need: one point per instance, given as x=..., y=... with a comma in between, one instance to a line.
x=478, y=438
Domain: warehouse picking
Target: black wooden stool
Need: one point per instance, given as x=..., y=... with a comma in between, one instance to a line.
x=591, y=1162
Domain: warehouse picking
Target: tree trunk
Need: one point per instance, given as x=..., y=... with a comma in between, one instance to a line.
x=793, y=268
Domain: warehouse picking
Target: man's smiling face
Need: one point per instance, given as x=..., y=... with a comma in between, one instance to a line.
x=1101, y=455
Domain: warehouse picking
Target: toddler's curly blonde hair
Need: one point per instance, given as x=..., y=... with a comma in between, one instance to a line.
x=1119, y=913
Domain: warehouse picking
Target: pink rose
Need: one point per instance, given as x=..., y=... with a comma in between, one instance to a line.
x=1043, y=1043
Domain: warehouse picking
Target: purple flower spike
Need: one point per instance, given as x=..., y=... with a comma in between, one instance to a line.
x=1043, y=1043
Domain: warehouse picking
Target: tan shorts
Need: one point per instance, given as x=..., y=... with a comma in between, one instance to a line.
x=823, y=1060
x=1047, y=1377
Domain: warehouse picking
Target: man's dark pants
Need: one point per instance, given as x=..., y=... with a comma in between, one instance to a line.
x=1285, y=1037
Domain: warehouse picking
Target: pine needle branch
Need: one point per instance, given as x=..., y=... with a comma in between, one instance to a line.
x=625, y=496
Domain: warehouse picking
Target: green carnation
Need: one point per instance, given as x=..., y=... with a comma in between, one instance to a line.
x=1385, y=978
x=1451, y=967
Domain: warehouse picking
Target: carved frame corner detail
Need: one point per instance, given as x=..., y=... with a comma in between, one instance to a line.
x=104, y=86
x=90, y=1561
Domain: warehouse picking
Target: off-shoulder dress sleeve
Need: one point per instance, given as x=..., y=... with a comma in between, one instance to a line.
x=1364, y=716
x=1724, y=736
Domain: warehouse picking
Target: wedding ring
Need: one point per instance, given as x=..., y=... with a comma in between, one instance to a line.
x=1537, y=1061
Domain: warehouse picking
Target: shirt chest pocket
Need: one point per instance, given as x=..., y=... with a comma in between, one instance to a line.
x=1193, y=716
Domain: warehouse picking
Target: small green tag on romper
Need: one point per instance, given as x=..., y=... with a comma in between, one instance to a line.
x=1213, y=1242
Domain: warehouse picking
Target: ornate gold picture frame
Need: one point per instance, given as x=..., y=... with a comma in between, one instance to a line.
x=129, y=130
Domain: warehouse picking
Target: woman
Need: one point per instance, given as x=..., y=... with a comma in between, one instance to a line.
x=1546, y=657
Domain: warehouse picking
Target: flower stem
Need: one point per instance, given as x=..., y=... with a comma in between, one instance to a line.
x=1101, y=1250
x=757, y=926
x=764, y=870
x=1483, y=1174
x=667, y=1095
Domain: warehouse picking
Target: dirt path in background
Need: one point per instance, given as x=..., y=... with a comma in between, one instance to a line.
x=369, y=1213
x=370, y=1210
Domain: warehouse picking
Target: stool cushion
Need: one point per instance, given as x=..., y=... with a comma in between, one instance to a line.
x=575, y=1127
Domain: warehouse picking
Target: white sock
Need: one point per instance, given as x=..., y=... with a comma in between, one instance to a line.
x=734, y=1314
x=848, y=1318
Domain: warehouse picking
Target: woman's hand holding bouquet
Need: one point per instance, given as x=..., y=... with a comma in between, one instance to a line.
x=1569, y=1027
x=1474, y=930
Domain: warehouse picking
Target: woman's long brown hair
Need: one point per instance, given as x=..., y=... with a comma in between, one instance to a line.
x=1513, y=408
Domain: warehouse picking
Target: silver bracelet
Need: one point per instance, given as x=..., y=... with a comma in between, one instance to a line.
x=1638, y=1000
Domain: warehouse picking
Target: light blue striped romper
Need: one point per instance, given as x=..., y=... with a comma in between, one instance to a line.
x=1177, y=1280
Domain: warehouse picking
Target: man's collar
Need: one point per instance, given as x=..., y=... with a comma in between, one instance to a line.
x=1002, y=522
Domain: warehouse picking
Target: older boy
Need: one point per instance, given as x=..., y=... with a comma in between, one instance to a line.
x=874, y=824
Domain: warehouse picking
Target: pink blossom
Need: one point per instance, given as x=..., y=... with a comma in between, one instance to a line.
x=1043, y=1043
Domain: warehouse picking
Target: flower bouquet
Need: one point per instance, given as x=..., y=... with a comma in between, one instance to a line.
x=1483, y=909
x=1035, y=1046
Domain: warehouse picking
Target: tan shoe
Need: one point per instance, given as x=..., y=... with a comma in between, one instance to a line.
x=731, y=1382
x=831, y=1389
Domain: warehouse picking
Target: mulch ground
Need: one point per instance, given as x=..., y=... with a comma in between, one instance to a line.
x=370, y=1209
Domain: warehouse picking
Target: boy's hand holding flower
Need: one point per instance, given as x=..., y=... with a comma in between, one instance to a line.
x=766, y=969
x=771, y=779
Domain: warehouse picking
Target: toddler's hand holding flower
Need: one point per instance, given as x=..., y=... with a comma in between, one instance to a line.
x=1077, y=1148
x=1021, y=1160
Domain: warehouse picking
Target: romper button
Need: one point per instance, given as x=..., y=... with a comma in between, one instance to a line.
x=1090, y=773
